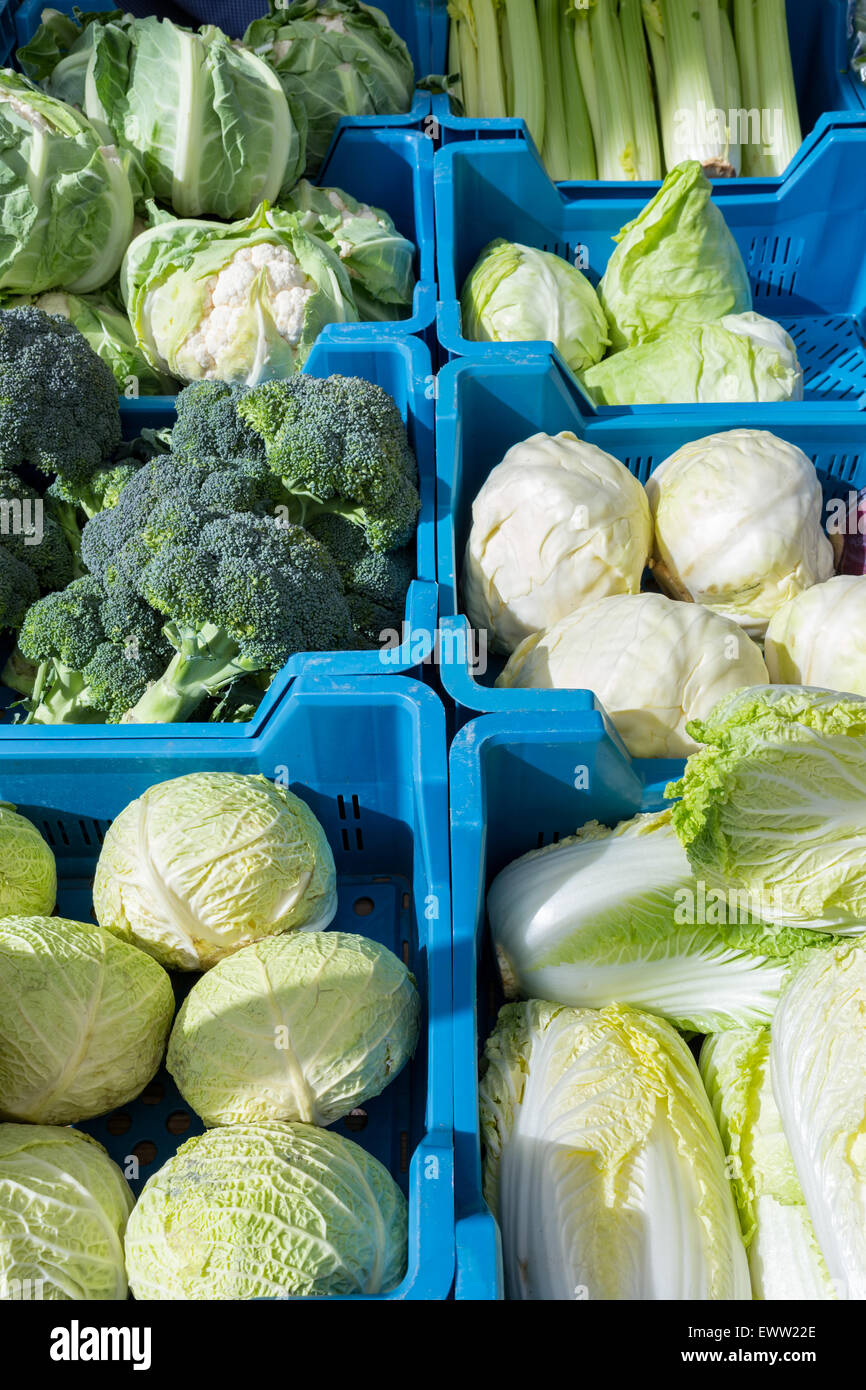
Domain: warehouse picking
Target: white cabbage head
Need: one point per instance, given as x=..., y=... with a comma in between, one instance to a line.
x=819, y=637
x=785, y=1260
x=603, y=1163
x=84, y=1019
x=28, y=874
x=558, y=524
x=818, y=1066
x=738, y=525
x=616, y=916
x=267, y=1211
x=653, y=663
x=203, y=864
x=63, y=1211
x=300, y=1027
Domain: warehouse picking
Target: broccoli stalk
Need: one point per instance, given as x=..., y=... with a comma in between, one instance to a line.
x=207, y=660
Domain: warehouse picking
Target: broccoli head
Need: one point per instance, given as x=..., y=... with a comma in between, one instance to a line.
x=32, y=536
x=376, y=582
x=241, y=598
x=81, y=675
x=58, y=400
x=72, y=505
x=208, y=425
x=339, y=446
x=18, y=589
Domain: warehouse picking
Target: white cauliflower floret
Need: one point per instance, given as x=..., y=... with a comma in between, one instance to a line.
x=278, y=50
x=226, y=313
x=332, y=24
x=345, y=248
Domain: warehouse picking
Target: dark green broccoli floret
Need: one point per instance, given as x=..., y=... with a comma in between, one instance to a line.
x=58, y=401
x=18, y=589
x=208, y=425
x=31, y=535
x=84, y=673
x=71, y=505
x=339, y=445
x=376, y=582
x=241, y=598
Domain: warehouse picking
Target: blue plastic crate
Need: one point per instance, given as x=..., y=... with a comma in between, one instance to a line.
x=401, y=366
x=819, y=33
x=801, y=244
x=512, y=790
x=368, y=756
x=484, y=407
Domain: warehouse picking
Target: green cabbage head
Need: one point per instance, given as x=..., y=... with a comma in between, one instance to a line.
x=28, y=873
x=66, y=204
x=517, y=294
x=742, y=357
x=240, y=302
x=334, y=58
x=299, y=1027
x=84, y=1019
x=203, y=864
x=676, y=265
x=63, y=1211
x=267, y=1211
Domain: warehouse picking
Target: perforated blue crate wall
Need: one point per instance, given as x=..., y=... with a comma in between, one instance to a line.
x=818, y=34
x=368, y=756
x=486, y=406
x=801, y=244
x=513, y=790
x=402, y=367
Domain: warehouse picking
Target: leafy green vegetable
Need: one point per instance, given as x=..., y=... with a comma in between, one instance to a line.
x=774, y=803
x=208, y=118
x=818, y=1059
x=600, y=1143
x=675, y=265
x=300, y=1027
x=241, y=301
x=201, y=865
x=764, y=54
x=104, y=323
x=611, y=916
x=516, y=294
x=265, y=1211
x=58, y=401
x=63, y=1211
x=338, y=58
x=785, y=1261
x=378, y=259
x=84, y=1020
x=57, y=173
x=28, y=874
x=743, y=357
